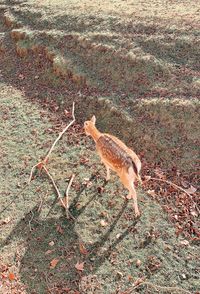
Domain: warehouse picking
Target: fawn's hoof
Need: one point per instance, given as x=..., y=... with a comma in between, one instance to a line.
x=137, y=214
x=128, y=197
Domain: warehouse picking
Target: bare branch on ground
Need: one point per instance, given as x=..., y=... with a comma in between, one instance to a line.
x=162, y=288
x=67, y=195
x=42, y=166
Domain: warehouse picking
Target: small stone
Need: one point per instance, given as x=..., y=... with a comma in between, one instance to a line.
x=119, y=275
x=138, y=262
x=103, y=223
x=184, y=276
x=184, y=242
x=51, y=243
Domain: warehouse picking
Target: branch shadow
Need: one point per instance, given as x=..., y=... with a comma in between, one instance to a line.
x=44, y=243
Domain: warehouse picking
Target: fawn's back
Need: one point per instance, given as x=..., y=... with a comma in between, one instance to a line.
x=113, y=154
x=112, y=150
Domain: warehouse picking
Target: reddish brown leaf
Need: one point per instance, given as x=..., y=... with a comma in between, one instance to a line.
x=48, y=252
x=79, y=266
x=40, y=165
x=54, y=262
x=82, y=249
x=59, y=229
x=6, y=220
x=11, y=276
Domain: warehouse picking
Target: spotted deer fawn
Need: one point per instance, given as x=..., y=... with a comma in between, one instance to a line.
x=116, y=156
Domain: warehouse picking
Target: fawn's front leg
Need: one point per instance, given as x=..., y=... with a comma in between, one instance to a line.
x=107, y=172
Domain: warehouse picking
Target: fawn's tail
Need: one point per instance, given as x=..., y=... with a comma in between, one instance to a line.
x=136, y=171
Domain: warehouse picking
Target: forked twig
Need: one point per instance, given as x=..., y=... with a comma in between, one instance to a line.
x=32, y=170
x=42, y=165
x=55, y=187
x=58, y=192
x=67, y=195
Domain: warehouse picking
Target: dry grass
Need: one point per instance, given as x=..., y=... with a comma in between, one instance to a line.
x=178, y=12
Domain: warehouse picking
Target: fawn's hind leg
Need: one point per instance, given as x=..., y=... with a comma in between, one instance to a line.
x=107, y=171
x=127, y=181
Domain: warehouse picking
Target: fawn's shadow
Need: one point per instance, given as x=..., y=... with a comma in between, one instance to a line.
x=57, y=239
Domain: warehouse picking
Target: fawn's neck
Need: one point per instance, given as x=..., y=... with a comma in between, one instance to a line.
x=95, y=133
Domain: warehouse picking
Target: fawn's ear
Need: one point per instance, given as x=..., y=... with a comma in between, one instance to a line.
x=93, y=119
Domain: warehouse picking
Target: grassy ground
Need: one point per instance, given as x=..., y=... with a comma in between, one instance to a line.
x=145, y=69
x=32, y=239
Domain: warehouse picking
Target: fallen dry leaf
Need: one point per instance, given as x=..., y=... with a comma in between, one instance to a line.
x=6, y=220
x=151, y=192
x=3, y=276
x=49, y=252
x=130, y=278
x=82, y=249
x=159, y=173
x=191, y=190
x=54, y=262
x=79, y=266
x=147, y=178
x=194, y=213
x=59, y=229
x=138, y=282
x=40, y=165
x=184, y=242
x=100, y=190
x=11, y=276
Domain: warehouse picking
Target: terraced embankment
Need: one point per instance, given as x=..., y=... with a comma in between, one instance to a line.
x=139, y=76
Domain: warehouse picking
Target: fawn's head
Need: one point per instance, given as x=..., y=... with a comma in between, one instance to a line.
x=89, y=125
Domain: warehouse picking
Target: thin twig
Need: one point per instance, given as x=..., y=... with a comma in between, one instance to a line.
x=29, y=222
x=60, y=135
x=175, y=186
x=44, y=161
x=67, y=195
x=55, y=187
x=57, y=191
x=31, y=173
x=41, y=203
x=168, y=289
x=32, y=170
